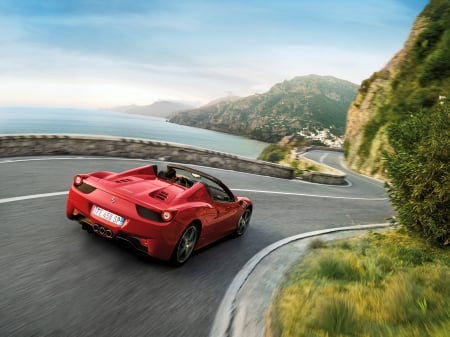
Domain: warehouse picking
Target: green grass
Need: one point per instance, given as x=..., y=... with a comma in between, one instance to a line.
x=379, y=284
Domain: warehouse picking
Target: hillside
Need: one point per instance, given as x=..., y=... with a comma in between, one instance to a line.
x=411, y=82
x=157, y=109
x=306, y=103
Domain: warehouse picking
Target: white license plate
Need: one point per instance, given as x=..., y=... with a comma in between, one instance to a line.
x=109, y=216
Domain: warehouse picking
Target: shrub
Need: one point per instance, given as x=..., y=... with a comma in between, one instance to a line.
x=436, y=65
x=273, y=153
x=317, y=244
x=419, y=172
x=340, y=267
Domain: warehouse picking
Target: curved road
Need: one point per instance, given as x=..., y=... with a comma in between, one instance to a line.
x=57, y=280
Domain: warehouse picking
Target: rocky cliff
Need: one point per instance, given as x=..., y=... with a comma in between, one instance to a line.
x=412, y=80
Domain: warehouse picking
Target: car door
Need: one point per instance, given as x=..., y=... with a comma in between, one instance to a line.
x=227, y=208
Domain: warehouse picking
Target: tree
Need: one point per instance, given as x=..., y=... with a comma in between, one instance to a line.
x=273, y=153
x=419, y=171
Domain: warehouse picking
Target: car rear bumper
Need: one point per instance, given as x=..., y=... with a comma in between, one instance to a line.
x=157, y=239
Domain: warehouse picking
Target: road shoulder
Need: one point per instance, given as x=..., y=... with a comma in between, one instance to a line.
x=243, y=308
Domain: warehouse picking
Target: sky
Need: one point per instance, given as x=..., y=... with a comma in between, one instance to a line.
x=106, y=53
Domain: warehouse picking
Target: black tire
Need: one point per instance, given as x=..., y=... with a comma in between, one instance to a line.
x=243, y=222
x=185, y=245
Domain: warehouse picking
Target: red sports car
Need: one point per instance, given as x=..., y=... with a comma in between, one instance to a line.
x=166, y=214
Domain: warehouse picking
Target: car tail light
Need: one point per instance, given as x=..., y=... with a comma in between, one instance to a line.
x=167, y=215
x=148, y=213
x=79, y=183
x=78, y=180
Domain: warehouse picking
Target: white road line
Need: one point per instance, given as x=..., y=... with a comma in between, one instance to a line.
x=309, y=195
x=45, y=195
x=32, y=196
x=322, y=158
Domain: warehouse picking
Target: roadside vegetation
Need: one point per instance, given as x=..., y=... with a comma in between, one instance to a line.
x=274, y=153
x=285, y=154
x=419, y=171
x=392, y=283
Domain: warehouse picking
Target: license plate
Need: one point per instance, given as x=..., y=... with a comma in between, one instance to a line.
x=109, y=216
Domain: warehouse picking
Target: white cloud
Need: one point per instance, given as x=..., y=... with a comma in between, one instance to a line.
x=192, y=51
x=57, y=77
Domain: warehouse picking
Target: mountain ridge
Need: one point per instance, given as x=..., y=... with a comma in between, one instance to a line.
x=311, y=103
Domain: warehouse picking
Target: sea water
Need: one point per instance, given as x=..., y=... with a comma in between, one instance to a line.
x=42, y=120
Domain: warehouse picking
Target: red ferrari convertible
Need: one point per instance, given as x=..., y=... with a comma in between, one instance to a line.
x=166, y=214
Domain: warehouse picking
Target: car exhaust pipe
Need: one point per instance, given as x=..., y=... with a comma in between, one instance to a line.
x=102, y=231
x=108, y=233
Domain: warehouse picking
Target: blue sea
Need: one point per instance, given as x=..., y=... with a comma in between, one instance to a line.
x=40, y=120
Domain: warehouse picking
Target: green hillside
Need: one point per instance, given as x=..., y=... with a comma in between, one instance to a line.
x=304, y=103
x=414, y=85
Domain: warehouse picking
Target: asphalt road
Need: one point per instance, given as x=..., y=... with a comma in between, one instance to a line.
x=57, y=280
